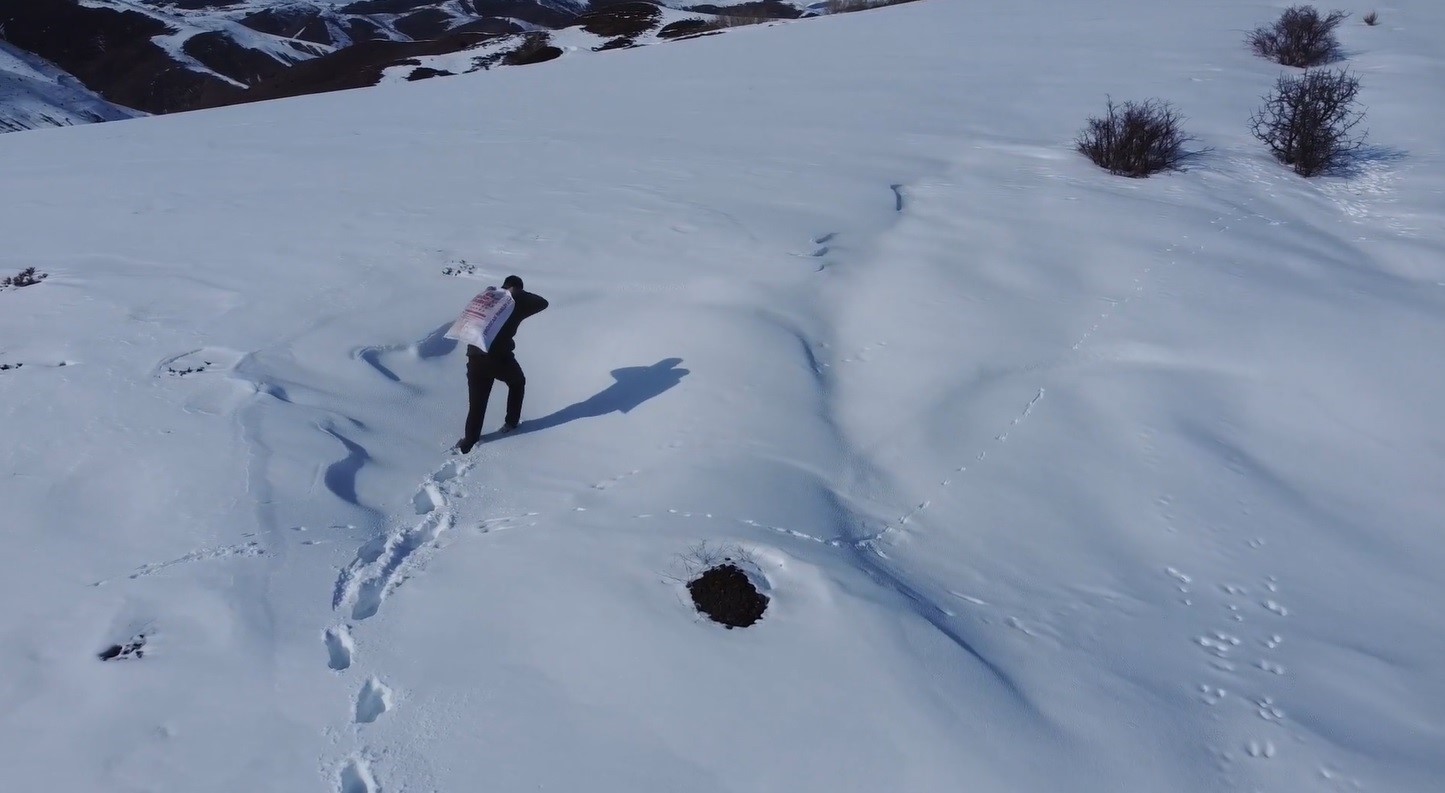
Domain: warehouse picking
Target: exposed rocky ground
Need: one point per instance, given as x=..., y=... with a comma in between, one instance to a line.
x=121, y=57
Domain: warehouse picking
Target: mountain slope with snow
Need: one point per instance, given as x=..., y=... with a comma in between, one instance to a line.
x=159, y=56
x=1056, y=480
x=36, y=95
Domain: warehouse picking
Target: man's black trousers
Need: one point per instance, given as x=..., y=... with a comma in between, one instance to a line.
x=482, y=371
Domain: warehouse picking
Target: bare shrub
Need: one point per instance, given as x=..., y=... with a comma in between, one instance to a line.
x=1300, y=37
x=1309, y=121
x=1135, y=139
x=26, y=277
x=1372, y=19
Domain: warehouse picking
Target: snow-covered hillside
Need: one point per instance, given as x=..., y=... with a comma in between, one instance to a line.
x=1057, y=480
x=36, y=95
x=160, y=56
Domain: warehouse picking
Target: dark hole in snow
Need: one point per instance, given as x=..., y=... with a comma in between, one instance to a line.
x=135, y=648
x=727, y=596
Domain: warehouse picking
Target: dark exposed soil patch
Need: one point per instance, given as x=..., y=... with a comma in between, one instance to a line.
x=627, y=19
x=494, y=25
x=221, y=53
x=5, y=367
x=426, y=73
x=427, y=23
x=110, y=51
x=533, y=51
x=135, y=648
x=364, y=30
x=619, y=43
x=727, y=596
x=304, y=24
x=384, y=6
x=682, y=27
x=526, y=10
x=357, y=66
x=764, y=9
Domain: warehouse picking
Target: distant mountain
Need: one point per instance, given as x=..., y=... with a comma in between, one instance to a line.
x=73, y=61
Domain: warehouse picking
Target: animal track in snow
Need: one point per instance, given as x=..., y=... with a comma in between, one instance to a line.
x=1267, y=709
x=1211, y=695
x=609, y=483
x=1218, y=643
x=858, y=357
x=249, y=548
x=820, y=248
x=1270, y=666
x=355, y=777
x=373, y=700
x=339, y=646
x=872, y=542
x=1260, y=749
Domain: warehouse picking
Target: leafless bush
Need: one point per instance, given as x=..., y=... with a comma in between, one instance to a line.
x=1309, y=121
x=1135, y=139
x=1372, y=19
x=1300, y=37
x=26, y=277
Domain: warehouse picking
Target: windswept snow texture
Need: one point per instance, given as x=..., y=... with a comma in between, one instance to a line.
x=1055, y=481
x=35, y=95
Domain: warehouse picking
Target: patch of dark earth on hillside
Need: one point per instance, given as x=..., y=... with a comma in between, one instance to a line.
x=619, y=43
x=627, y=19
x=221, y=53
x=764, y=9
x=682, y=27
x=294, y=23
x=132, y=648
x=727, y=596
x=426, y=73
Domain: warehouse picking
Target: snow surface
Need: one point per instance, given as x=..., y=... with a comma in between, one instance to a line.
x=1058, y=481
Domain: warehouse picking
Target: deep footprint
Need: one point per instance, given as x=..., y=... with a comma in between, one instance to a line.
x=374, y=700
x=355, y=777
x=339, y=646
x=427, y=499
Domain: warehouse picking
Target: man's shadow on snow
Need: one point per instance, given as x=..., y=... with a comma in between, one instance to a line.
x=635, y=385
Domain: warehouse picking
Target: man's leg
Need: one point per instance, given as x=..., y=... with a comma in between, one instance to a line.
x=510, y=372
x=479, y=390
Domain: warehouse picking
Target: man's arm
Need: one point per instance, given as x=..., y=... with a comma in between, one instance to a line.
x=530, y=304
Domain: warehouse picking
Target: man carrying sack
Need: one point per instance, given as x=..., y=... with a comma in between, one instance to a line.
x=488, y=326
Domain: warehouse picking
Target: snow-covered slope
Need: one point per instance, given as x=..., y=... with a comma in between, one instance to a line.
x=160, y=56
x=1058, y=481
x=35, y=95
